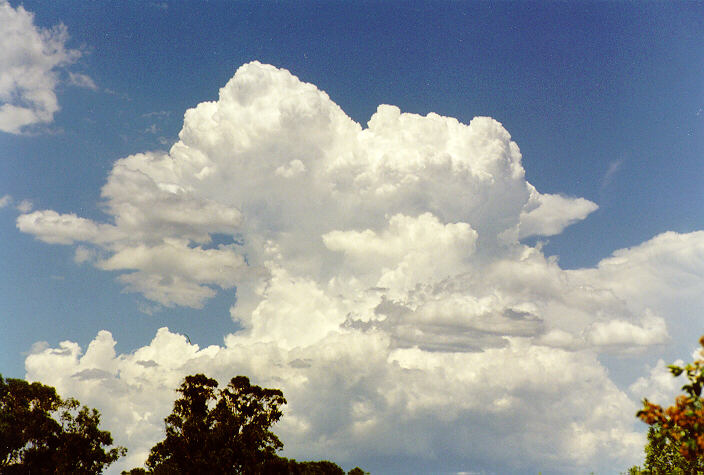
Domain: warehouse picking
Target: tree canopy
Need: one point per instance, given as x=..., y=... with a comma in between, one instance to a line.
x=216, y=431
x=676, y=434
x=227, y=431
x=42, y=433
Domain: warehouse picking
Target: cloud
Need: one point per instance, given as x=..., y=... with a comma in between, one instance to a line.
x=611, y=172
x=547, y=215
x=52, y=227
x=658, y=386
x=25, y=206
x=5, y=200
x=380, y=282
x=622, y=334
x=82, y=80
x=30, y=58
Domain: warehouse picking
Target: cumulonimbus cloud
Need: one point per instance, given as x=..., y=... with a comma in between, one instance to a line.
x=381, y=283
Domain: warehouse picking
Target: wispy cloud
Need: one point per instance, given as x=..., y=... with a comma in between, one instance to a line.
x=157, y=114
x=611, y=172
x=6, y=200
x=25, y=206
x=82, y=80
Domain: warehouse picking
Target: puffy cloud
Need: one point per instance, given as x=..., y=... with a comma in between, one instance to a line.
x=55, y=228
x=5, y=200
x=547, y=215
x=30, y=57
x=409, y=251
x=658, y=385
x=622, y=334
x=352, y=395
x=276, y=162
x=171, y=273
x=380, y=282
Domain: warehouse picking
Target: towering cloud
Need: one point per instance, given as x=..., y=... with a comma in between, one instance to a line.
x=381, y=283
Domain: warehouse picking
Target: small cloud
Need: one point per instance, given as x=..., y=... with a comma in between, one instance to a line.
x=163, y=140
x=25, y=206
x=611, y=172
x=160, y=5
x=82, y=80
x=150, y=309
x=5, y=201
x=84, y=254
x=157, y=114
x=58, y=277
x=152, y=129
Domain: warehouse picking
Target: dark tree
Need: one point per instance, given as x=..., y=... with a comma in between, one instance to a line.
x=226, y=431
x=219, y=431
x=41, y=433
x=284, y=466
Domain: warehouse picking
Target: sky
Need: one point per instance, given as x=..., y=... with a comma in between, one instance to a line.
x=459, y=236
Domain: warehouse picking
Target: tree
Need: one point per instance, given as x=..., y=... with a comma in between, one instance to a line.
x=663, y=458
x=41, y=433
x=225, y=431
x=676, y=436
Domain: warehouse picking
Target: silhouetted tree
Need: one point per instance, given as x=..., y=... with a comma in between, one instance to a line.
x=219, y=431
x=226, y=431
x=41, y=433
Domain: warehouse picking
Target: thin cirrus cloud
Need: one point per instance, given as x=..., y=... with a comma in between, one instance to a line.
x=381, y=283
x=31, y=59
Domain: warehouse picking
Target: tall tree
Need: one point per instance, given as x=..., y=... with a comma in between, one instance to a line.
x=676, y=437
x=219, y=431
x=41, y=433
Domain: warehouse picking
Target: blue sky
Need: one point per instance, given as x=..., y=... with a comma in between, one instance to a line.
x=604, y=100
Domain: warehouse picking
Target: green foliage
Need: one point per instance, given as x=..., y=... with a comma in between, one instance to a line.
x=227, y=431
x=663, y=458
x=41, y=433
x=219, y=431
x=284, y=466
x=357, y=471
x=676, y=434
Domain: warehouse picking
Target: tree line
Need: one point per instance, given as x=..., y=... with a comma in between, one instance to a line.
x=210, y=430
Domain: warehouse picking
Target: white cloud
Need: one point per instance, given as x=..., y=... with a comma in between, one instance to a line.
x=52, y=227
x=30, y=57
x=621, y=334
x=5, y=200
x=352, y=396
x=82, y=80
x=547, y=215
x=380, y=283
x=659, y=386
x=25, y=206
